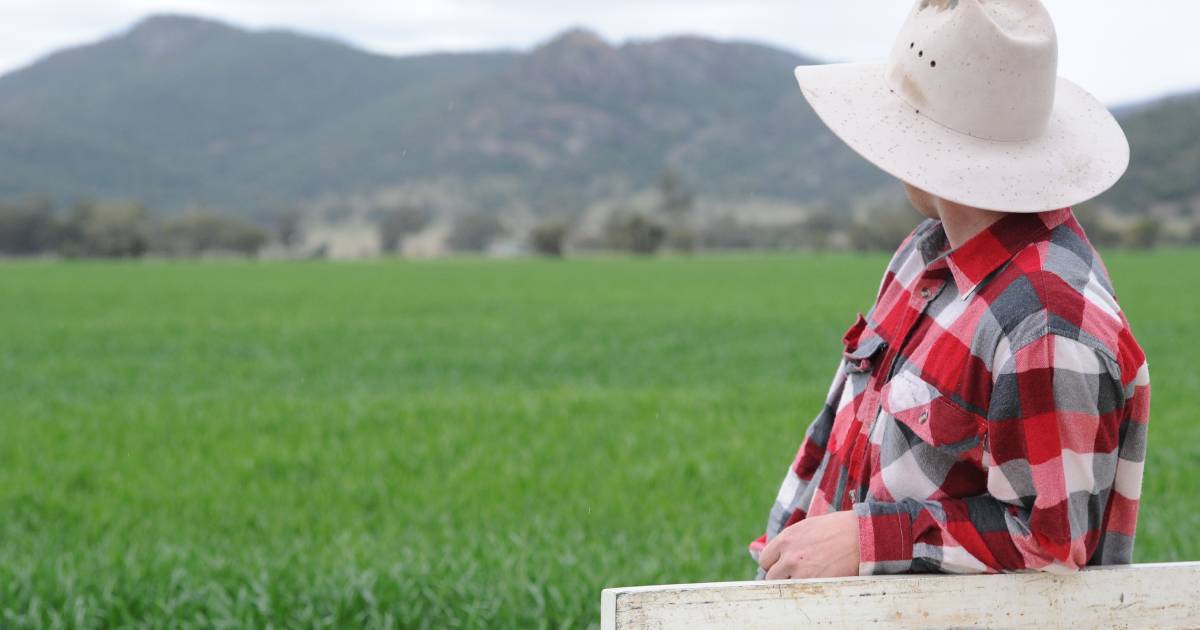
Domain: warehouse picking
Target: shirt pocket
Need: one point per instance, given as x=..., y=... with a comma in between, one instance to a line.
x=862, y=347
x=929, y=415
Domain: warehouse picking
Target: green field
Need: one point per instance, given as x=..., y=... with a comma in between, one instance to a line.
x=447, y=444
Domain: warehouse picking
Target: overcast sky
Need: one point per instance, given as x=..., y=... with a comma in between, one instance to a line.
x=1121, y=50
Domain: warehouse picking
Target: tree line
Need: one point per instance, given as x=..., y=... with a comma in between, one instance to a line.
x=672, y=224
x=105, y=229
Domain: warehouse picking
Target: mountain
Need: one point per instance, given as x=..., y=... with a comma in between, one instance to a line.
x=180, y=112
x=1165, y=166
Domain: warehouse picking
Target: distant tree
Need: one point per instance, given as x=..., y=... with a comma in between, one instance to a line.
x=289, y=227
x=474, y=232
x=548, y=237
x=882, y=232
x=822, y=226
x=1194, y=235
x=676, y=199
x=677, y=203
x=725, y=233
x=634, y=232
x=728, y=233
x=107, y=230
x=201, y=232
x=397, y=223
x=321, y=252
x=28, y=226
x=1145, y=234
x=682, y=238
x=1096, y=226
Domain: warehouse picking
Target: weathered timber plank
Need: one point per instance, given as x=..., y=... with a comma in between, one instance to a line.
x=1164, y=595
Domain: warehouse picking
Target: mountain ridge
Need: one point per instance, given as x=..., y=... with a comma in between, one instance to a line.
x=182, y=112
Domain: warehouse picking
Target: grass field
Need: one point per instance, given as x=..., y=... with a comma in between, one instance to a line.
x=444, y=444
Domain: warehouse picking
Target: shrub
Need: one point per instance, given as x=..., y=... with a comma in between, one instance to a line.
x=397, y=223
x=107, y=230
x=634, y=232
x=1145, y=234
x=289, y=227
x=548, y=237
x=474, y=232
x=676, y=199
x=681, y=238
x=882, y=232
x=728, y=233
x=1097, y=228
x=28, y=227
x=199, y=233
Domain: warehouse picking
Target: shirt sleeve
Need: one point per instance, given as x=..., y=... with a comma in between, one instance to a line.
x=798, y=483
x=1052, y=455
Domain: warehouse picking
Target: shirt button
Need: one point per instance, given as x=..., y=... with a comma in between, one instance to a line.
x=853, y=494
x=924, y=417
x=926, y=293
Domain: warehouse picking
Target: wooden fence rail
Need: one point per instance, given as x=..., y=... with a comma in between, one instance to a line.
x=1164, y=595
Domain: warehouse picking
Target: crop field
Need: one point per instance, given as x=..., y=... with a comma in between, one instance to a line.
x=445, y=444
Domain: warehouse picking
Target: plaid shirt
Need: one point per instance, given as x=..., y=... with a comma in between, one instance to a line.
x=989, y=413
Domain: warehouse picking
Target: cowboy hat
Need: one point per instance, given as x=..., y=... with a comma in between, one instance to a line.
x=970, y=108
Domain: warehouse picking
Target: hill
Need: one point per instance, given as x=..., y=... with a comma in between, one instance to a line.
x=183, y=112
x=1165, y=137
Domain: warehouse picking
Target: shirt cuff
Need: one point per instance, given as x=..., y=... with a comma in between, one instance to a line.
x=756, y=546
x=885, y=541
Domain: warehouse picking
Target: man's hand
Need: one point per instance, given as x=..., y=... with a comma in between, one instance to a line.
x=819, y=546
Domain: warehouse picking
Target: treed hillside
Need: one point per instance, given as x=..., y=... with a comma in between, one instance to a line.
x=1165, y=166
x=181, y=112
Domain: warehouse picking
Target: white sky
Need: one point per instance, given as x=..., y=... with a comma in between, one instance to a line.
x=1121, y=50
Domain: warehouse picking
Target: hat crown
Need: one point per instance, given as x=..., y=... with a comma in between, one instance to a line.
x=986, y=68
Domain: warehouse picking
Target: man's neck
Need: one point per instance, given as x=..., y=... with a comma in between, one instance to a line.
x=963, y=222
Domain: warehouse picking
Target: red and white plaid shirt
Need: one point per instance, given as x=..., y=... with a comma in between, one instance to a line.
x=989, y=413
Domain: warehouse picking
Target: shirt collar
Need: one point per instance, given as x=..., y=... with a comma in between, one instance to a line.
x=985, y=252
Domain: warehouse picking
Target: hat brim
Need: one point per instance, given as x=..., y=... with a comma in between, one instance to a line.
x=1082, y=153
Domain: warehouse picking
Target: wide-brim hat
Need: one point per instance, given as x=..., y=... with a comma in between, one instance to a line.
x=970, y=108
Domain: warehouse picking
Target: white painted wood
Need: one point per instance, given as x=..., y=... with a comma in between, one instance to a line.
x=1164, y=595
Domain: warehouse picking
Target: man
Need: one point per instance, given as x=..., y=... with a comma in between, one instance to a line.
x=989, y=413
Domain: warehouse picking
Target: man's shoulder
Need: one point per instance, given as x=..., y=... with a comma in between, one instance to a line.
x=1057, y=285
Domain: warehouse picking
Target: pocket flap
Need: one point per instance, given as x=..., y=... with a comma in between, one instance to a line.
x=860, y=343
x=931, y=416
